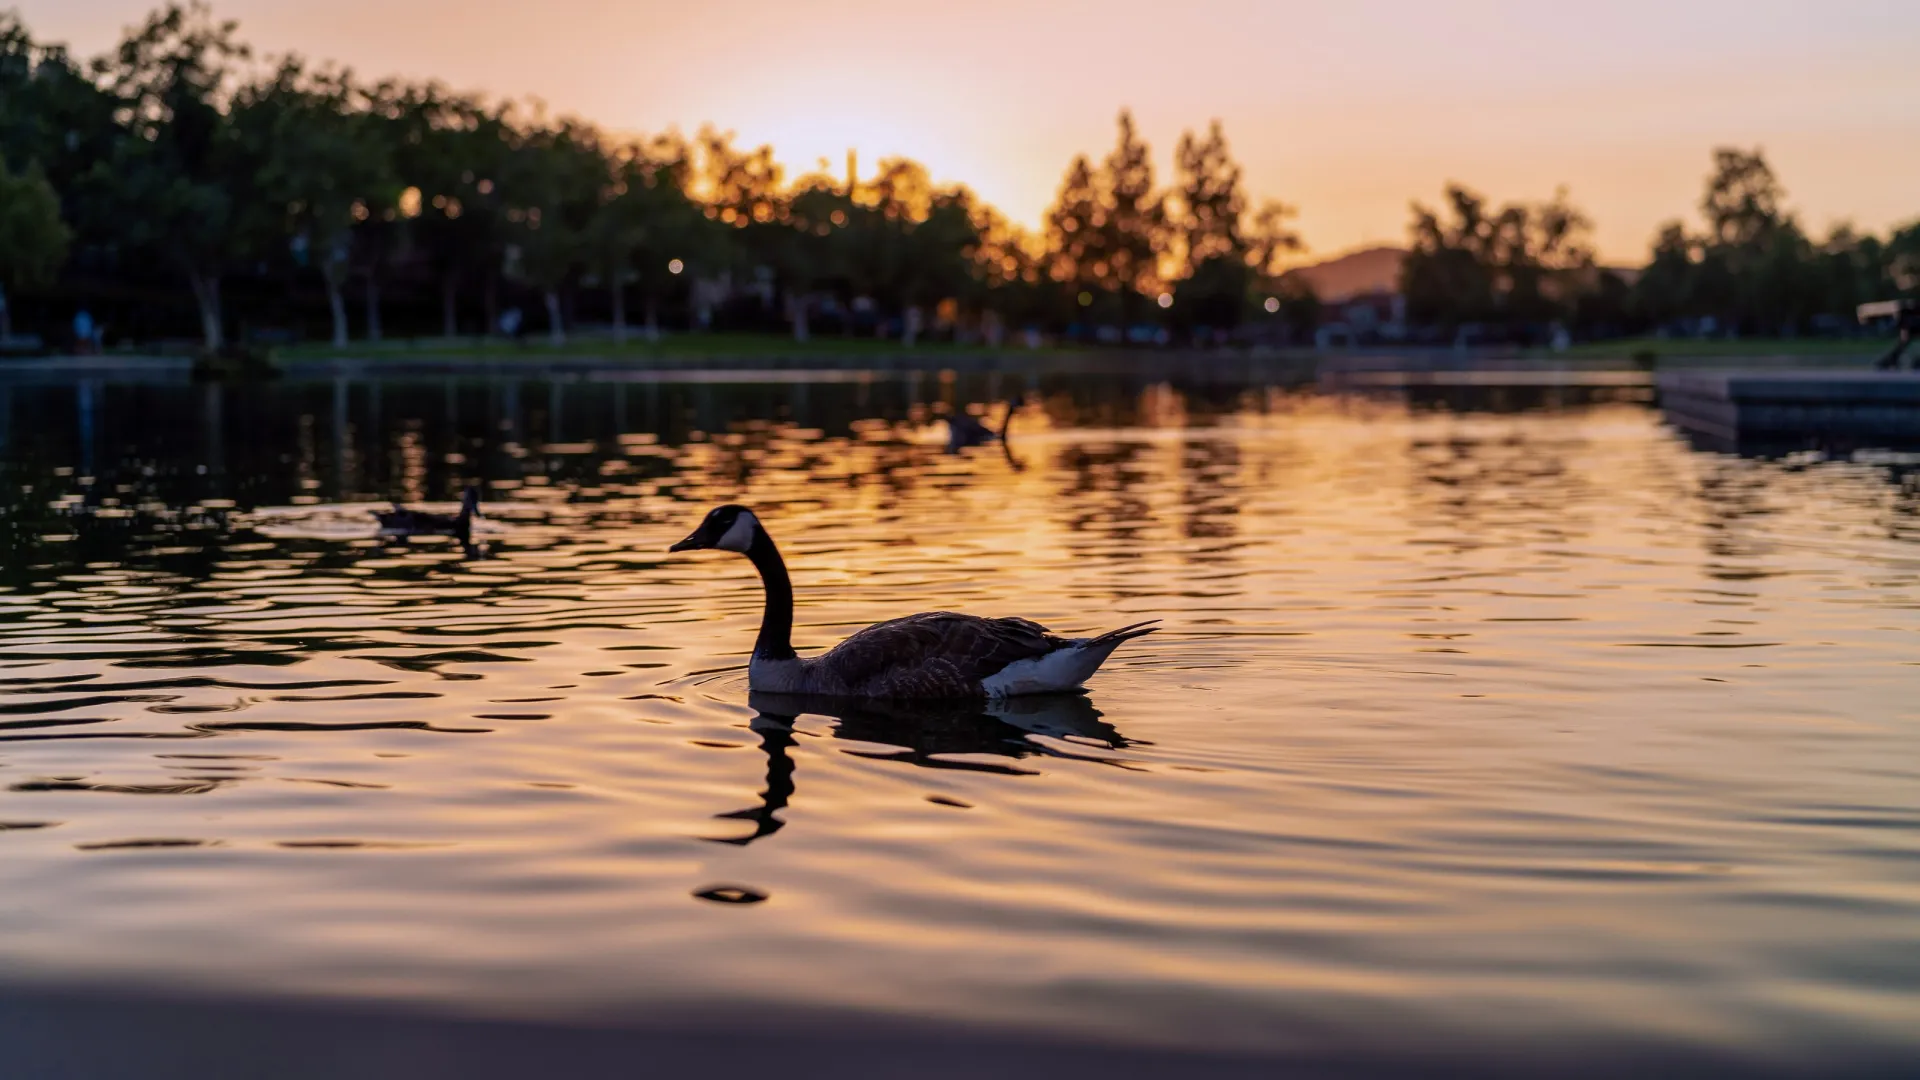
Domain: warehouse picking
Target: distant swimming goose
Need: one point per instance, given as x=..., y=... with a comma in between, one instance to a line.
x=405, y=522
x=938, y=654
x=965, y=429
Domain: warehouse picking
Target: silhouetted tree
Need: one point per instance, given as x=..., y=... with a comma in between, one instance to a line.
x=618, y=228
x=321, y=168
x=394, y=125
x=52, y=115
x=33, y=239
x=1129, y=237
x=1519, y=265
x=556, y=181
x=1754, y=269
x=1073, y=242
x=1210, y=249
x=1010, y=277
x=1742, y=201
x=924, y=235
x=1903, y=259
x=745, y=194
x=1666, y=286
x=671, y=226
x=1270, y=239
x=1207, y=217
x=451, y=152
x=177, y=180
x=1756, y=245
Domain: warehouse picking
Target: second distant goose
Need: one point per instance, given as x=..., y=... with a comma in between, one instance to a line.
x=937, y=654
x=401, y=521
x=965, y=429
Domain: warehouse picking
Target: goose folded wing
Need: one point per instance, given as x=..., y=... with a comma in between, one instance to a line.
x=936, y=654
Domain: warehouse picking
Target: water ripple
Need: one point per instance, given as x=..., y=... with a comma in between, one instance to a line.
x=1481, y=726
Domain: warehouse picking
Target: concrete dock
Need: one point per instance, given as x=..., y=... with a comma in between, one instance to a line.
x=1738, y=407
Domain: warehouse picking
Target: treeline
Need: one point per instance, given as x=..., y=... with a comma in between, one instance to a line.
x=270, y=191
x=179, y=185
x=1518, y=270
x=1755, y=270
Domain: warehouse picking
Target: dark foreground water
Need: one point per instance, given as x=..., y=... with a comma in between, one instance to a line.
x=1504, y=736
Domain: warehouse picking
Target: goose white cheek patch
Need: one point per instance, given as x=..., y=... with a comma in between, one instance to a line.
x=739, y=535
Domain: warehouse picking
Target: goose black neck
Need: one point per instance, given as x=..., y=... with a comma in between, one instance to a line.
x=776, y=624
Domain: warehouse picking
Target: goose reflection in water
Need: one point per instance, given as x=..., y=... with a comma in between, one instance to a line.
x=929, y=732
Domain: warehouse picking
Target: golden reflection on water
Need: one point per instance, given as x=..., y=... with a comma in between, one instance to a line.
x=1499, y=725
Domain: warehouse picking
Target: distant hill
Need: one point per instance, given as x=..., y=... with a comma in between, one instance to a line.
x=1374, y=269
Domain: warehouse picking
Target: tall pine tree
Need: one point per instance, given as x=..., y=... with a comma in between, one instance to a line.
x=1073, y=246
x=1128, y=242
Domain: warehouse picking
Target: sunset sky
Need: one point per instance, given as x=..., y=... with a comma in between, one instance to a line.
x=1347, y=110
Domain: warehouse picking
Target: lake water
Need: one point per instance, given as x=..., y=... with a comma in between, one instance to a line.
x=1499, y=725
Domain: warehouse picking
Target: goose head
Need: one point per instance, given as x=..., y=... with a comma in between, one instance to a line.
x=727, y=528
x=470, y=501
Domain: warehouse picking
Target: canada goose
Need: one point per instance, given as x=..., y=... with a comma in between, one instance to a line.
x=403, y=522
x=965, y=429
x=937, y=654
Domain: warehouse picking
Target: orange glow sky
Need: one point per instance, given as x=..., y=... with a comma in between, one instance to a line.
x=1347, y=110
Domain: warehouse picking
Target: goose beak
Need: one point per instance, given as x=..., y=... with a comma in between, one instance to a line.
x=691, y=543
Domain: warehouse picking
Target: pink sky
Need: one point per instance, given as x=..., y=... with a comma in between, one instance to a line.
x=1346, y=110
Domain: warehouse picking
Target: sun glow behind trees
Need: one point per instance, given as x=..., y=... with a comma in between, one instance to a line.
x=223, y=165
x=185, y=164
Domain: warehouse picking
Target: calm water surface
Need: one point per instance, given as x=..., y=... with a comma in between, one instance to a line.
x=1500, y=727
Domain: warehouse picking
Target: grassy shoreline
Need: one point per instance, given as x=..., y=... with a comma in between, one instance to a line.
x=1827, y=349
x=734, y=350
x=735, y=346
x=675, y=347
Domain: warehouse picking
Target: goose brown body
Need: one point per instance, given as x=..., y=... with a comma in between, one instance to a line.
x=936, y=654
x=406, y=522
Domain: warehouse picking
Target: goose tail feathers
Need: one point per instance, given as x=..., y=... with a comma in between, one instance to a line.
x=1113, y=638
x=1065, y=668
